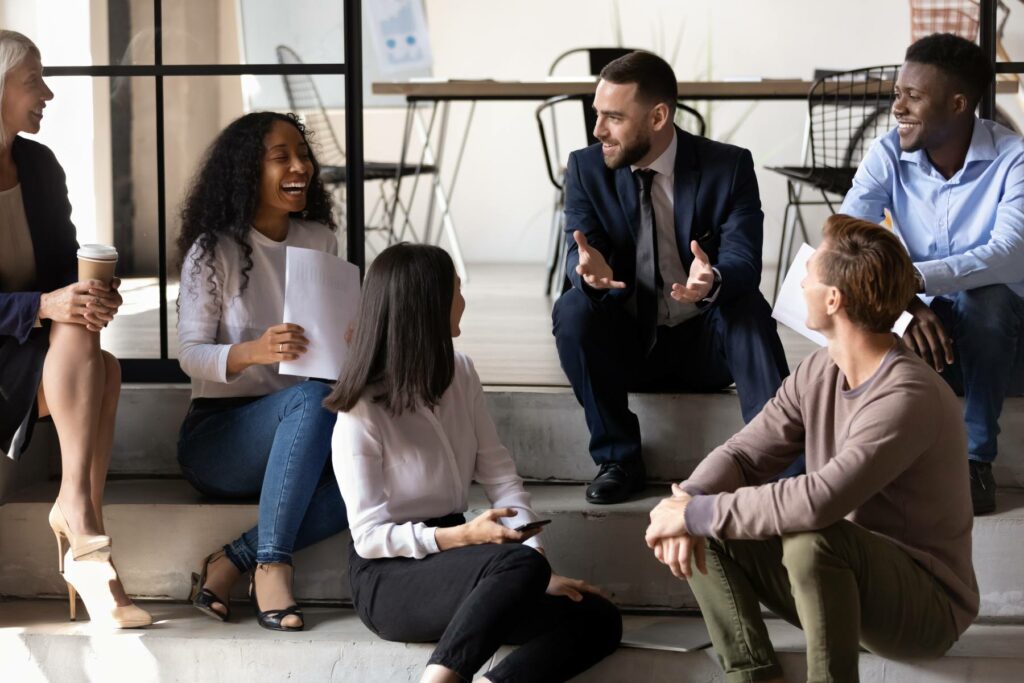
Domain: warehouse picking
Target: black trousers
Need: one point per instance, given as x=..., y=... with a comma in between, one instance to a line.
x=473, y=600
x=599, y=347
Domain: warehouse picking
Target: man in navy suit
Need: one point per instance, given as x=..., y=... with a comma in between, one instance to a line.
x=664, y=232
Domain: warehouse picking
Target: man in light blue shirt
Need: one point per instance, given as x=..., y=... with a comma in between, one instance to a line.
x=954, y=185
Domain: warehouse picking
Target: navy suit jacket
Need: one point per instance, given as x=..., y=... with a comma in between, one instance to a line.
x=45, y=195
x=716, y=202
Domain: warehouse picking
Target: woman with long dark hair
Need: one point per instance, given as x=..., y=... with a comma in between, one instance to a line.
x=51, y=362
x=413, y=431
x=249, y=430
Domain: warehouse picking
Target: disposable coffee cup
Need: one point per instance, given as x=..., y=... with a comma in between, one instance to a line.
x=96, y=262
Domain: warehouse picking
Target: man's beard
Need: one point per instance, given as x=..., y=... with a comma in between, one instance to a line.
x=630, y=155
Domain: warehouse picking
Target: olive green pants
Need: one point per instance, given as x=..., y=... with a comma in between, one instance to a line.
x=843, y=585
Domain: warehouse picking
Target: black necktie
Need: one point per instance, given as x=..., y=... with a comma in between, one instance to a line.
x=646, y=263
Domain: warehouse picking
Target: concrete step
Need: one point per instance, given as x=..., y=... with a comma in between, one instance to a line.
x=38, y=645
x=163, y=529
x=543, y=428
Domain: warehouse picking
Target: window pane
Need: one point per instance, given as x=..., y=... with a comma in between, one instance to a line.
x=87, y=33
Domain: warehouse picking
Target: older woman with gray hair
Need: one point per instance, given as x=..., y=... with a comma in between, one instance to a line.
x=50, y=357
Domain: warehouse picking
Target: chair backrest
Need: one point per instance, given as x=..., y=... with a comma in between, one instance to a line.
x=689, y=119
x=304, y=99
x=598, y=57
x=847, y=111
x=960, y=17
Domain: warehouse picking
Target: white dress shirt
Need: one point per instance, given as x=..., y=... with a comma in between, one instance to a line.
x=670, y=311
x=213, y=315
x=395, y=472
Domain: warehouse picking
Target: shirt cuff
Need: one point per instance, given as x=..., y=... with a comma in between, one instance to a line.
x=222, y=366
x=938, y=277
x=428, y=536
x=700, y=512
x=715, y=288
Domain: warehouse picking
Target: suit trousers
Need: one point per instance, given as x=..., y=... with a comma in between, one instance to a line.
x=599, y=348
x=472, y=600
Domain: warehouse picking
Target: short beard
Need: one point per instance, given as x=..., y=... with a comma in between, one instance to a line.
x=630, y=155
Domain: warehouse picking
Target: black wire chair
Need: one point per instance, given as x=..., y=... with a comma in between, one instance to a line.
x=304, y=99
x=846, y=111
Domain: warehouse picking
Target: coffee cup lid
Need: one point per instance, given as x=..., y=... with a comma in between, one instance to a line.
x=98, y=252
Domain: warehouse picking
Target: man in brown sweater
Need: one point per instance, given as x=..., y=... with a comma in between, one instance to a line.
x=872, y=547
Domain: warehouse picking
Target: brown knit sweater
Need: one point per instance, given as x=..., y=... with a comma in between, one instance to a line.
x=890, y=455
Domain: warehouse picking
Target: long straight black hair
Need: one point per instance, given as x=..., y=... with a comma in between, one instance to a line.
x=402, y=342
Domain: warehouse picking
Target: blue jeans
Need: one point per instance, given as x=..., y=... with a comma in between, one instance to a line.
x=987, y=328
x=277, y=447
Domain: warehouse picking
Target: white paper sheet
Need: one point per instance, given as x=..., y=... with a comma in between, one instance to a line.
x=321, y=294
x=791, y=310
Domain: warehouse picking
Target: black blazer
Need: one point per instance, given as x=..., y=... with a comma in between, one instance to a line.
x=23, y=347
x=716, y=202
x=45, y=195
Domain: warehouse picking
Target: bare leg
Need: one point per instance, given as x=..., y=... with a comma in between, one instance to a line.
x=105, y=434
x=81, y=387
x=74, y=379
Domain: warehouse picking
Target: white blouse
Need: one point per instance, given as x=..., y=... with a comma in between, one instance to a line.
x=395, y=472
x=213, y=316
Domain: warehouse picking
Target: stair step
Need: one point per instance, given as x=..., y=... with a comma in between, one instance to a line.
x=163, y=529
x=543, y=428
x=37, y=644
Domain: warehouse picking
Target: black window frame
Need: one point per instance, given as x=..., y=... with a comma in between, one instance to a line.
x=165, y=369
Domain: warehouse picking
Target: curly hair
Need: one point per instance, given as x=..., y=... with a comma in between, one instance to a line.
x=958, y=58
x=225, y=192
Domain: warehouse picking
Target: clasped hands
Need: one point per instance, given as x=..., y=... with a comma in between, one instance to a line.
x=670, y=540
x=90, y=303
x=596, y=272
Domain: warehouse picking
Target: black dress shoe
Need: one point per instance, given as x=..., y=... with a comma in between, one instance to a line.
x=983, y=487
x=616, y=482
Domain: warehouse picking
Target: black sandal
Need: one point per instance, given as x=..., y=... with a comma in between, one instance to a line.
x=203, y=598
x=271, y=619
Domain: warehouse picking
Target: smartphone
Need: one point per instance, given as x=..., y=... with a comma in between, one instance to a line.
x=530, y=526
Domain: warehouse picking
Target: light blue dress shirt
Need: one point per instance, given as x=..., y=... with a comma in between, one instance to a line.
x=961, y=233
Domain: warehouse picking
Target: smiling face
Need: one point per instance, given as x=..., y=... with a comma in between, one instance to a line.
x=25, y=97
x=926, y=106
x=625, y=127
x=285, y=171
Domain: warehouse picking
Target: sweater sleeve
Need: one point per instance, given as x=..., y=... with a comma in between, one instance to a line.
x=358, y=458
x=200, y=304
x=884, y=438
x=495, y=468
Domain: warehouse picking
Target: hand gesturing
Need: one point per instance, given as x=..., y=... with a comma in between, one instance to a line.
x=700, y=281
x=592, y=267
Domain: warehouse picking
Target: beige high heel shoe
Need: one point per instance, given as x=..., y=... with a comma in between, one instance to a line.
x=81, y=544
x=91, y=577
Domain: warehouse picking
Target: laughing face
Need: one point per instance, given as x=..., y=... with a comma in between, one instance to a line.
x=624, y=125
x=286, y=169
x=25, y=97
x=925, y=105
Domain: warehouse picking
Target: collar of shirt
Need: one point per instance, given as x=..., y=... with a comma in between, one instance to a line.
x=665, y=164
x=982, y=148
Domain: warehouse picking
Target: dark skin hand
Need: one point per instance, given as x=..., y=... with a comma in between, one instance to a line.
x=927, y=337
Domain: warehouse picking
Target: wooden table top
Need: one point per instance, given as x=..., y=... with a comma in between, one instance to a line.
x=454, y=89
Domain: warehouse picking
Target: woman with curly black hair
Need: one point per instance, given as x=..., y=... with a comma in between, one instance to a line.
x=249, y=430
